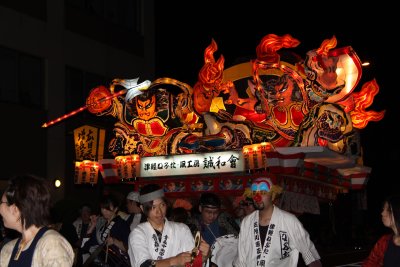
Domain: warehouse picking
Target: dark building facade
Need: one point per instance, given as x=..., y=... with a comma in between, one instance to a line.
x=52, y=53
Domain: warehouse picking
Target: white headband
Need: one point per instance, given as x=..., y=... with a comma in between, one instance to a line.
x=151, y=196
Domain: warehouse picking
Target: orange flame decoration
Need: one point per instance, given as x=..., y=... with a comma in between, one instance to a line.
x=327, y=45
x=362, y=100
x=210, y=80
x=271, y=43
x=209, y=52
x=212, y=71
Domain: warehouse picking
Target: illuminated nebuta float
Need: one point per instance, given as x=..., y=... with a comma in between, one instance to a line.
x=296, y=119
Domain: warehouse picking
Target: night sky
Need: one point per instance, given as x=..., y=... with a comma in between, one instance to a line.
x=182, y=36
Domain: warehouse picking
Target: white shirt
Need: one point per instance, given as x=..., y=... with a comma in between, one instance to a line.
x=144, y=244
x=286, y=238
x=136, y=220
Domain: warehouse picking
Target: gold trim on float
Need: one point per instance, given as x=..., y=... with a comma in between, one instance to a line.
x=244, y=70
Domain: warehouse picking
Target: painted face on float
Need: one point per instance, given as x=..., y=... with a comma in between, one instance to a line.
x=260, y=187
x=146, y=109
x=280, y=91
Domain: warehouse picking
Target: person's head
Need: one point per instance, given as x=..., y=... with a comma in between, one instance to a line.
x=85, y=211
x=132, y=202
x=153, y=203
x=109, y=206
x=179, y=214
x=247, y=202
x=26, y=202
x=247, y=205
x=264, y=192
x=238, y=211
x=209, y=207
x=391, y=213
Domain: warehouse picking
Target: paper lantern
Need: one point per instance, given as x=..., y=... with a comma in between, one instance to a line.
x=89, y=143
x=86, y=172
x=255, y=155
x=128, y=166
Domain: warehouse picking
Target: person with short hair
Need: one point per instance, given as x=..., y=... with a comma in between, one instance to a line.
x=107, y=235
x=271, y=236
x=25, y=207
x=211, y=222
x=160, y=242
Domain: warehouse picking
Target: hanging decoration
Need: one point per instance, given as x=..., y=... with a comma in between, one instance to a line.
x=86, y=172
x=89, y=143
x=128, y=167
x=89, y=148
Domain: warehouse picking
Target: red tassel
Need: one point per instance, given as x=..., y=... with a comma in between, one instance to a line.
x=197, y=262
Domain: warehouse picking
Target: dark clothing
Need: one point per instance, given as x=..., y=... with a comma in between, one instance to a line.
x=130, y=219
x=221, y=226
x=25, y=257
x=84, y=229
x=211, y=232
x=377, y=254
x=392, y=255
x=69, y=232
x=263, y=233
x=118, y=229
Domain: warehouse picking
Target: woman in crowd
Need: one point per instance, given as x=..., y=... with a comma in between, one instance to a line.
x=159, y=242
x=386, y=251
x=108, y=236
x=25, y=207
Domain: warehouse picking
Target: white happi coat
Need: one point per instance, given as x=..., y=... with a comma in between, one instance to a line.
x=144, y=244
x=286, y=238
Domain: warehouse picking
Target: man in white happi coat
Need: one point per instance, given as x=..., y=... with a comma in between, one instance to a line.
x=159, y=242
x=270, y=236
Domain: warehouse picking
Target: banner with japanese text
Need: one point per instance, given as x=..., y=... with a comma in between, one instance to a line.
x=192, y=164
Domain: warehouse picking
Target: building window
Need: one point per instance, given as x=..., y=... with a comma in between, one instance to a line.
x=78, y=86
x=118, y=23
x=23, y=78
x=122, y=13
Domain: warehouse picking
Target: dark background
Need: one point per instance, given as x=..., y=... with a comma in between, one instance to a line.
x=185, y=29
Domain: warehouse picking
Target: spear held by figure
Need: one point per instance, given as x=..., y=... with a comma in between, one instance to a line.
x=100, y=97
